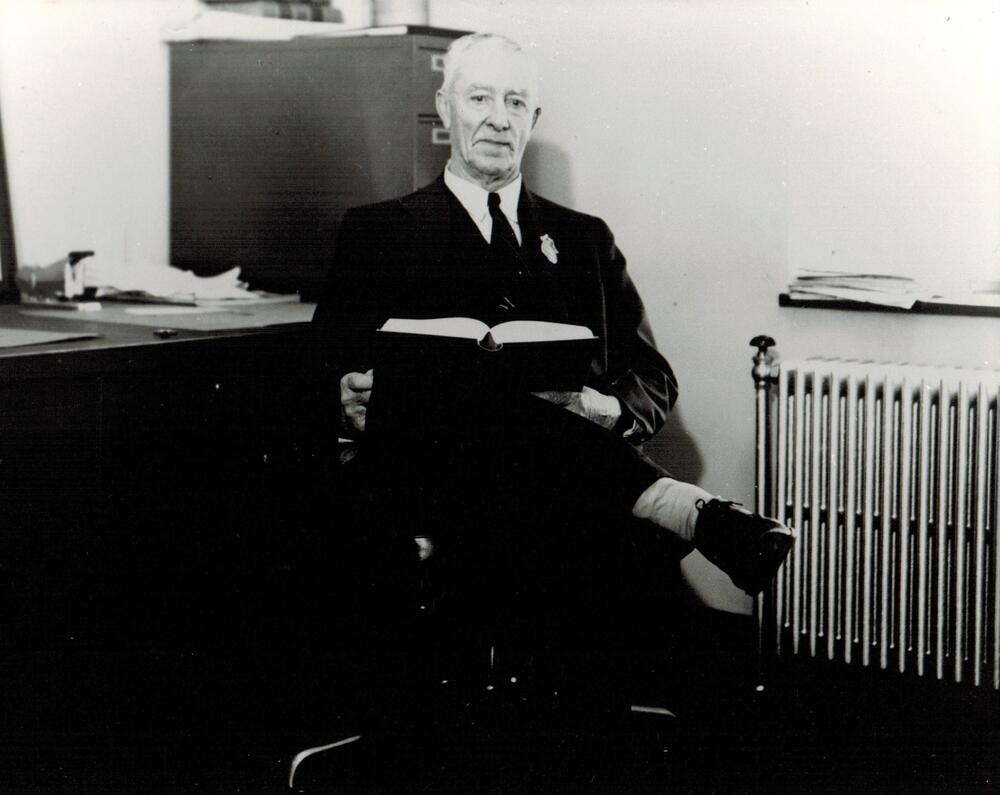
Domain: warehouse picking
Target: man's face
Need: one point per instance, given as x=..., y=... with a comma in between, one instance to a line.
x=490, y=110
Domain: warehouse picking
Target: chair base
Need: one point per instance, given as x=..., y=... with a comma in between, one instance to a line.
x=504, y=733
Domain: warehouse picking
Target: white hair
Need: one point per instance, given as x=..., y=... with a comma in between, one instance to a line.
x=459, y=47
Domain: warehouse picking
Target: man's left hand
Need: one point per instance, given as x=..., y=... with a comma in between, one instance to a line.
x=604, y=410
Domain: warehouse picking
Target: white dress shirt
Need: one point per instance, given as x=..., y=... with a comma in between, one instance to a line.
x=473, y=199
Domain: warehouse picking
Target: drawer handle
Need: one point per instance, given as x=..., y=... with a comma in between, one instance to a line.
x=440, y=136
x=437, y=62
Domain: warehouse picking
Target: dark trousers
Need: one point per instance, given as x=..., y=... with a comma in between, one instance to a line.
x=529, y=511
x=536, y=556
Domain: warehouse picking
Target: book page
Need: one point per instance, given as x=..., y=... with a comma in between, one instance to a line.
x=464, y=327
x=539, y=331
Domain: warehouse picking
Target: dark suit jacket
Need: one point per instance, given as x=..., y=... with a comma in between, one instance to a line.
x=422, y=256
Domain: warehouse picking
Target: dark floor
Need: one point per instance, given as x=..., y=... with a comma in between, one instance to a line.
x=814, y=729
x=231, y=721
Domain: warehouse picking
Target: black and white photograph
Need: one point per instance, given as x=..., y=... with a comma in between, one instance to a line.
x=499, y=396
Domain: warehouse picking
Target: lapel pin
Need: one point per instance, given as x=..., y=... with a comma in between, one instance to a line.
x=549, y=249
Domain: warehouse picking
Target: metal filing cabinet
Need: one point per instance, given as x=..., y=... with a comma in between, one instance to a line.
x=271, y=142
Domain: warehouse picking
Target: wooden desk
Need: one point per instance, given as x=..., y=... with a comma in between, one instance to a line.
x=153, y=498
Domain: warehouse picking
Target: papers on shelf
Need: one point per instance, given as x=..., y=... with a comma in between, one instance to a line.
x=871, y=288
x=209, y=25
x=888, y=289
x=968, y=299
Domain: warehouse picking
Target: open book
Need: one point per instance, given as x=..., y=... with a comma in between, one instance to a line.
x=457, y=369
x=512, y=331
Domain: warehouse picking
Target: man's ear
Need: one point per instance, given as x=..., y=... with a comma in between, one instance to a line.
x=534, y=117
x=442, y=103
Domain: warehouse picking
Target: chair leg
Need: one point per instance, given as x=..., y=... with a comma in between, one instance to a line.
x=305, y=753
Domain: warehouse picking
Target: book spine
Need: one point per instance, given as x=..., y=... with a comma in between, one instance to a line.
x=283, y=9
x=216, y=3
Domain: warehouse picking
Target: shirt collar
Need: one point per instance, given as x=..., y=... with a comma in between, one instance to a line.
x=473, y=198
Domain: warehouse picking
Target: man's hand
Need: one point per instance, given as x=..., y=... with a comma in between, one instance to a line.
x=355, y=389
x=605, y=410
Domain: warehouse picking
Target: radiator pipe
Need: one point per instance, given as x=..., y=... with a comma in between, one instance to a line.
x=763, y=603
x=979, y=533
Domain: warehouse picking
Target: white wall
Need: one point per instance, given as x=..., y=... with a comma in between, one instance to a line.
x=726, y=143
x=893, y=113
x=712, y=136
x=83, y=86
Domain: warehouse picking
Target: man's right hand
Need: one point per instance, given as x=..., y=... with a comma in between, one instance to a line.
x=355, y=390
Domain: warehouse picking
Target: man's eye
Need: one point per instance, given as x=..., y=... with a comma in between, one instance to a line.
x=516, y=102
x=477, y=99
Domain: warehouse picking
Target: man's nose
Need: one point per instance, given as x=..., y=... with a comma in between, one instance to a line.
x=498, y=119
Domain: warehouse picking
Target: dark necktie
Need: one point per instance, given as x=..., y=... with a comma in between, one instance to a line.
x=503, y=241
x=505, y=250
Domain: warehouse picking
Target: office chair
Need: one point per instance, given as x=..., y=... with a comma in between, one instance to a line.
x=500, y=704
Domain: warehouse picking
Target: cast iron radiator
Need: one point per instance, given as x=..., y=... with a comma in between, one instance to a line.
x=889, y=472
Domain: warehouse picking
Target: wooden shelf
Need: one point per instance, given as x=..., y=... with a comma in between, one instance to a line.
x=919, y=308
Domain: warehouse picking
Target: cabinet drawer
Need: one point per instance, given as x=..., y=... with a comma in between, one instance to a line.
x=428, y=71
x=431, y=148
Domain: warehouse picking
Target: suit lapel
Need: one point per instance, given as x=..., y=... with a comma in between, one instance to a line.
x=449, y=253
x=535, y=224
x=438, y=213
x=447, y=240
x=444, y=226
x=548, y=276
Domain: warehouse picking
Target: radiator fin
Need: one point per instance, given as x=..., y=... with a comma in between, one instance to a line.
x=890, y=474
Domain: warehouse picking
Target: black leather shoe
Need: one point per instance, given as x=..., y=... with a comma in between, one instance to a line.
x=748, y=547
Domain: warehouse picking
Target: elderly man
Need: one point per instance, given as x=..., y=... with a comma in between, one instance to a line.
x=477, y=243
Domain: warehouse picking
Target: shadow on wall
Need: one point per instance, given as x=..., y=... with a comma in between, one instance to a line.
x=674, y=450
x=547, y=172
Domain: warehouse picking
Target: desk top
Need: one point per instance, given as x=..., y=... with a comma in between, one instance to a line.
x=122, y=337
x=114, y=325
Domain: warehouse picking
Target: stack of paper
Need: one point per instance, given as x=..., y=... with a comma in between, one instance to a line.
x=871, y=288
x=228, y=26
x=211, y=25
x=160, y=284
